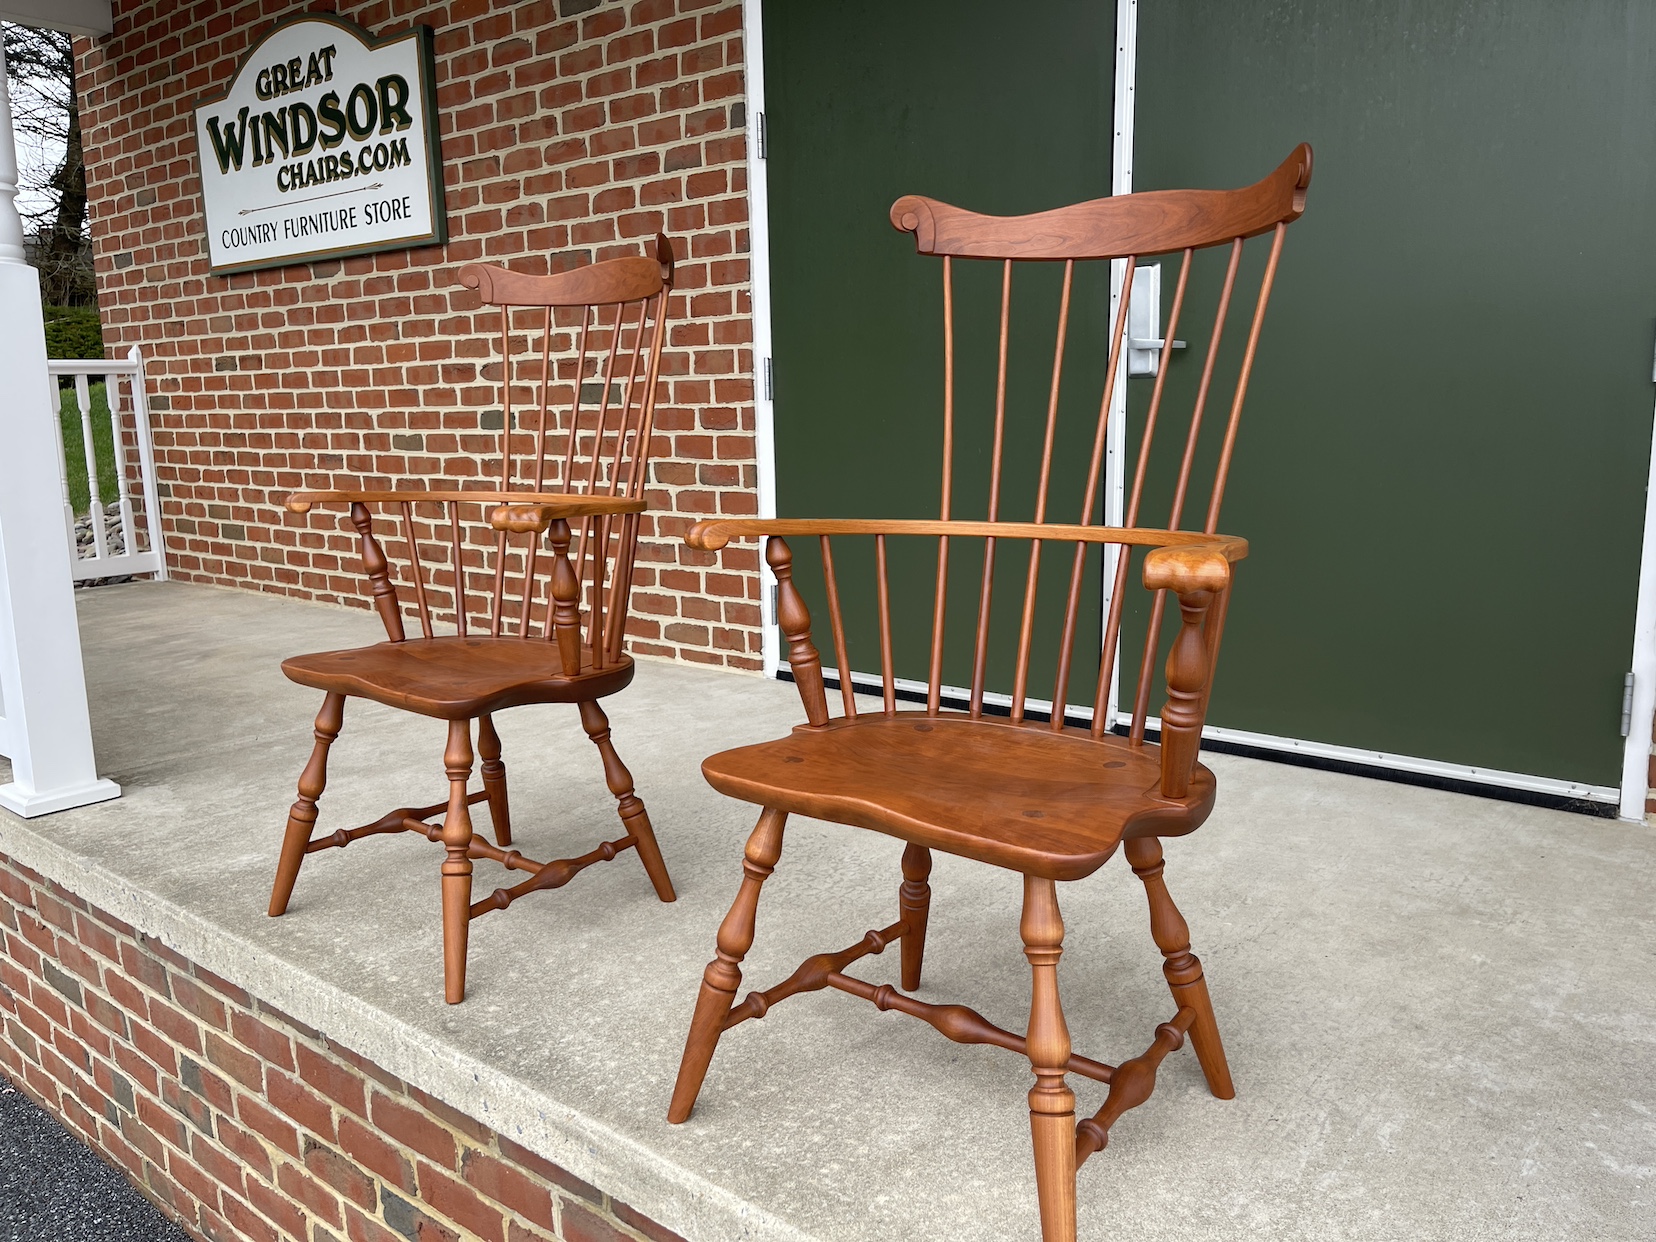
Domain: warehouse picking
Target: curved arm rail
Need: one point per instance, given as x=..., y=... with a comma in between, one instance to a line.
x=715, y=533
x=516, y=512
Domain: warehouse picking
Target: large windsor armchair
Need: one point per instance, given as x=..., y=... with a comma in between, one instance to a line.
x=525, y=627
x=1028, y=791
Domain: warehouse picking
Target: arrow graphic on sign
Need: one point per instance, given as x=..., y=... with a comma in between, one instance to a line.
x=314, y=198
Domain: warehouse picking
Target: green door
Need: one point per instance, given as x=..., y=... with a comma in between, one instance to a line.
x=1443, y=462
x=865, y=102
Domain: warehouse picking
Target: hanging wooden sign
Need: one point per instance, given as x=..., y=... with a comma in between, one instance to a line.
x=324, y=145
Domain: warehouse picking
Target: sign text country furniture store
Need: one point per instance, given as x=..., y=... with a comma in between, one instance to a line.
x=569, y=131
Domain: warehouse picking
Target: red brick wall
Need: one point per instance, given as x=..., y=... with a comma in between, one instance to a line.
x=571, y=131
x=240, y=1123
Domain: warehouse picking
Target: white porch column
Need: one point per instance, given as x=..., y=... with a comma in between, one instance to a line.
x=44, y=728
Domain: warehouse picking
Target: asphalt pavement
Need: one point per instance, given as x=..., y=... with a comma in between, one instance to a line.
x=53, y=1188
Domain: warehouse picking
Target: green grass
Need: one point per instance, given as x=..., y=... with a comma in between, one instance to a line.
x=74, y=452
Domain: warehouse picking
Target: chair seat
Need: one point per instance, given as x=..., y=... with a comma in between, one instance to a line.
x=456, y=678
x=1054, y=805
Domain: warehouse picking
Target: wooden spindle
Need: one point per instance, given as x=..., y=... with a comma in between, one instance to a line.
x=378, y=570
x=1052, y=398
x=1223, y=470
x=934, y=676
x=641, y=448
x=948, y=384
x=459, y=569
x=888, y=677
x=604, y=402
x=625, y=424
x=837, y=623
x=1112, y=623
x=496, y=613
x=1113, y=367
x=1158, y=605
x=794, y=619
x=505, y=398
x=623, y=584
x=600, y=562
x=1026, y=630
x=1095, y=465
x=1182, y=486
x=531, y=551
x=1026, y=633
x=545, y=402
x=565, y=479
x=418, y=569
x=980, y=653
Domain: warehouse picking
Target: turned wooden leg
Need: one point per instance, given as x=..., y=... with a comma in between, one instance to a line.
x=457, y=867
x=302, y=818
x=914, y=902
x=494, y=780
x=1051, y=1102
x=724, y=973
x=631, y=808
x=1183, y=970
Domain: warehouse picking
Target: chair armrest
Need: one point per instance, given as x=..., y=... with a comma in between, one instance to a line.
x=715, y=533
x=1199, y=576
x=516, y=511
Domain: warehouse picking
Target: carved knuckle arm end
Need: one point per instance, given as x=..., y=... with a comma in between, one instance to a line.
x=1186, y=570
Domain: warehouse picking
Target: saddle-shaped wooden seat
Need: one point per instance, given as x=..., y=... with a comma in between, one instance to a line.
x=1013, y=795
x=454, y=678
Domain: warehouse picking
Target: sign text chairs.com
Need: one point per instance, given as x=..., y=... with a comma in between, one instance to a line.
x=1044, y=797
x=527, y=627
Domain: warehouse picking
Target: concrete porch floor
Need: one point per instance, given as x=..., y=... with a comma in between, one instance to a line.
x=1439, y=1009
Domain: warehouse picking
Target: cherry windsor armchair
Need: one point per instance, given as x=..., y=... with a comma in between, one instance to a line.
x=528, y=628
x=1042, y=797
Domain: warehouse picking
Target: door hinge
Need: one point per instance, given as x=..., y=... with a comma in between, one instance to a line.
x=1627, y=705
x=759, y=130
x=770, y=389
x=775, y=604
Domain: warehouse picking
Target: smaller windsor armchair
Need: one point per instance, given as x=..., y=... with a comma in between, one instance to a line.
x=1029, y=791
x=526, y=628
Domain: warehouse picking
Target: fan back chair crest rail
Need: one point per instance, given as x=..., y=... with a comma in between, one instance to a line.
x=1043, y=797
x=533, y=573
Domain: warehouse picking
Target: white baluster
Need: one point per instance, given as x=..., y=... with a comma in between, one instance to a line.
x=112, y=397
x=146, y=462
x=63, y=469
x=95, y=509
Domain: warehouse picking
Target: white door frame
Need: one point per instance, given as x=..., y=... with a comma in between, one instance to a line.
x=1630, y=797
x=1636, y=756
x=764, y=405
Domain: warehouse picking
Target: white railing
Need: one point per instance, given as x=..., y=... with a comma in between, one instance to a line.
x=105, y=541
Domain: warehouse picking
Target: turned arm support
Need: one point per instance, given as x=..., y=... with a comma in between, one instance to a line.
x=794, y=618
x=1197, y=576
